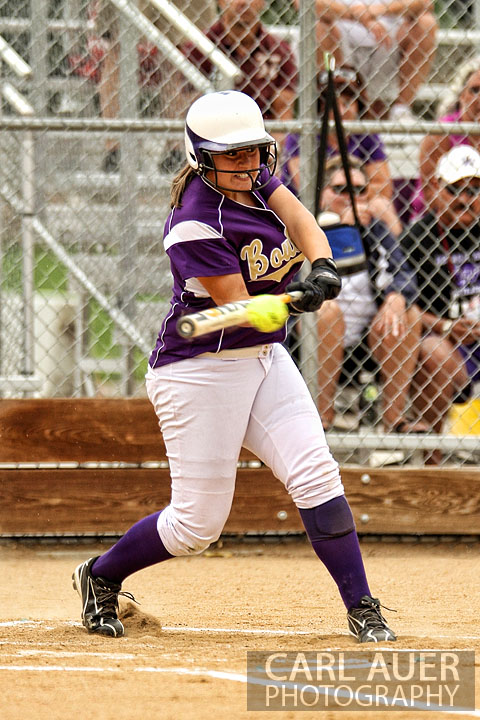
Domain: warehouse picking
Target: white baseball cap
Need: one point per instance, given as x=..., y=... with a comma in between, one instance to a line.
x=459, y=163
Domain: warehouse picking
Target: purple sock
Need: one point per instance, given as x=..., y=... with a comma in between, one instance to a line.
x=331, y=530
x=140, y=547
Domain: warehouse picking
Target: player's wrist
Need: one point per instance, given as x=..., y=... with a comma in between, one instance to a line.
x=325, y=262
x=324, y=274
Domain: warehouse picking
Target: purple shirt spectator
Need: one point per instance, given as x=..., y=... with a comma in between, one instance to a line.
x=368, y=149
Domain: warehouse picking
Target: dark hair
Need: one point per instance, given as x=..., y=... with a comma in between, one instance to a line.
x=347, y=81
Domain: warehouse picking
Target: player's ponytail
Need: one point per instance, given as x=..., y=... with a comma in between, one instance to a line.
x=179, y=185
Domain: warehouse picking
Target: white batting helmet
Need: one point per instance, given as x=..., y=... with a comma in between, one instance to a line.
x=224, y=121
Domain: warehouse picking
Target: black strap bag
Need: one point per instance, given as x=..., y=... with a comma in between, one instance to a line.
x=345, y=240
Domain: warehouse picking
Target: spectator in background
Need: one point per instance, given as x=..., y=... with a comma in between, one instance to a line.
x=373, y=314
x=267, y=63
x=155, y=69
x=462, y=104
x=444, y=248
x=391, y=44
x=369, y=149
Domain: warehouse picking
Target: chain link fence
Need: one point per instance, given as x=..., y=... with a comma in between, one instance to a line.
x=93, y=99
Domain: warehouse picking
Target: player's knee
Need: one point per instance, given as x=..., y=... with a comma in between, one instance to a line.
x=316, y=483
x=187, y=536
x=183, y=542
x=192, y=546
x=330, y=520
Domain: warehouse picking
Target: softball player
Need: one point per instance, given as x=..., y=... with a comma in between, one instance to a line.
x=235, y=231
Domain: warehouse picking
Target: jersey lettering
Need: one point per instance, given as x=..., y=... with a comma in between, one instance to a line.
x=259, y=264
x=256, y=260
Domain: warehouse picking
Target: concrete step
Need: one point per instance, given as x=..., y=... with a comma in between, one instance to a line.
x=403, y=151
x=431, y=92
x=138, y=274
x=104, y=187
x=83, y=226
x=90, y=181
x=84, y=151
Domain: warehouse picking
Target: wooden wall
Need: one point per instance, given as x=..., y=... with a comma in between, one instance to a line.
x=52, y=480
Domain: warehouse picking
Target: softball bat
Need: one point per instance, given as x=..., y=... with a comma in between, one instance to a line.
x=222, y=316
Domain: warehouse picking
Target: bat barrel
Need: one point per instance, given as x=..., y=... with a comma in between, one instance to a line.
x=220, y=317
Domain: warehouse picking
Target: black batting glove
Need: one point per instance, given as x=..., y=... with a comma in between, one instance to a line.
x=322, y=283
x=324, y=273
x=312, y=298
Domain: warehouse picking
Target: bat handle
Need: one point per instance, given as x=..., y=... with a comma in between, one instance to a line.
x=294, y=295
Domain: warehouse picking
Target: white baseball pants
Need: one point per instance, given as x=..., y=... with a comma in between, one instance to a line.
x=208, y=408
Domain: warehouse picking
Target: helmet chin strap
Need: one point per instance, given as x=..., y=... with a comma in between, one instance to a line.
x=217, y=185
x=252, y=173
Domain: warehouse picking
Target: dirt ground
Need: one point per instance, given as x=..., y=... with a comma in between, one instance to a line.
x=184, y=653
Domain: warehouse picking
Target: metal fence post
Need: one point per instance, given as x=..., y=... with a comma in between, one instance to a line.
x=127, y=195
x=308, y=116
x=28, y=249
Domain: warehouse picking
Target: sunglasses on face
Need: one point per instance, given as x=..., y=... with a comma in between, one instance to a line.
x=357, y=189
x=457, y=190
x=235, y=153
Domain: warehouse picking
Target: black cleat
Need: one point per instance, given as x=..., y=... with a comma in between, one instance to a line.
x=367, y=624
x=99, y=601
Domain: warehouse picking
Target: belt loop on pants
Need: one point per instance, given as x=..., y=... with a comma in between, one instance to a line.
x=256, y=351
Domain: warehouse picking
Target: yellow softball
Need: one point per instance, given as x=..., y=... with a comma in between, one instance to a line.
x=267, y=313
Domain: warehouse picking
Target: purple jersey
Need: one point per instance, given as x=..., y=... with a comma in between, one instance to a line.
x=211, y=235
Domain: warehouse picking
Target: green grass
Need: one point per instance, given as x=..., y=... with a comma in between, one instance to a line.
x=279, y=12
x=101, y=332
x=452, y=15
x=101, y=341
x=50, y=275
